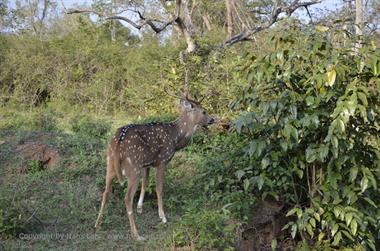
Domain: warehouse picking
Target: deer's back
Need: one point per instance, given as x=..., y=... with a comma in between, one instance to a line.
x=143, y=145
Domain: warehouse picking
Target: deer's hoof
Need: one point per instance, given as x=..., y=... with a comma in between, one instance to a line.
x=140, y=238
x=139, y=210
x=97, y=224
x=164, y=220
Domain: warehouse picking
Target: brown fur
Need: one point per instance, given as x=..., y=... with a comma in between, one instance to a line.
x=134, y=148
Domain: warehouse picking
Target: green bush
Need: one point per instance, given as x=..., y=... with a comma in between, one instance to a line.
x=97, y=128
x=34, y=120
x=205, y=230
x=310, y=117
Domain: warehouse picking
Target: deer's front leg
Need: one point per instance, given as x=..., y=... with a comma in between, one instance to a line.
x=159, y=190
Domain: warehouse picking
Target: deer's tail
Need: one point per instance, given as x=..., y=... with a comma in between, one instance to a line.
x=115, y=164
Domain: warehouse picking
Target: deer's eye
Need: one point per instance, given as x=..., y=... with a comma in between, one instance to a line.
x=204, y=112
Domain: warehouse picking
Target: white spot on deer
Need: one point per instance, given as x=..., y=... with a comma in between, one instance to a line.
x=130, y=212
x=123, y=172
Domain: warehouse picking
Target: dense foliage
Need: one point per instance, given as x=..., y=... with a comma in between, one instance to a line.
x=310, y=137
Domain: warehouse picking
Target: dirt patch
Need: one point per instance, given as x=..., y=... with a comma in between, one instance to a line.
x=46, y=155
x=264, y=226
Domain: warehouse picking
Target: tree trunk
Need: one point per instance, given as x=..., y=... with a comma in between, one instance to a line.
x=358, y=23
x=229, y=18
x=188, y=28
x=113, y=23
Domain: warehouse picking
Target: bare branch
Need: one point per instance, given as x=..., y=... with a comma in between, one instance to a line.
x=274, y=17
x=74, y=11
x=138, y=25
x=309, y=14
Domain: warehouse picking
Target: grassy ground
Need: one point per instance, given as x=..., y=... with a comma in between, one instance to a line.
x=57, y=207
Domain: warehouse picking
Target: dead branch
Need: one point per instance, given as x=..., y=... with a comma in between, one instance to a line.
x=138, y=25
x=274, y=17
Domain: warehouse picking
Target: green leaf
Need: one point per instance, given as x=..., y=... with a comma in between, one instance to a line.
x=371, y=202
x=260, y=182
x=363, y=113
x=310, y=155
x=334, y=229
x=312, y=222
x=331, y=76
x=337, y=239
x=353, y=173
x=293, y=230
x=321, y=28
x=341, y=125
x=239, y=174
x=246, y=185
x=363, y=98
x=323, y=151
x=309, y=100
x=364, y=184
x=299, y=213
x=265, y=163
x=334, y=141
x=337, y=211
x=320, y=236
x=291, y=212
x=299, y=173
x=317, y=216
x=354, y=227
x=309, y=230
x=348, y=235
x=348, y=218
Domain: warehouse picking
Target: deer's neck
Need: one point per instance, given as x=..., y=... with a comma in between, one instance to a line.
x=183, y=132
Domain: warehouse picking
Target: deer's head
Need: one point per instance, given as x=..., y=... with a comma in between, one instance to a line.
x=195, y=113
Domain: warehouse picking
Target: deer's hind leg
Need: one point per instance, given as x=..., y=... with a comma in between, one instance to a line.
x=109, y=177
x=133, y=182
x=159, y=190
x=144, y=183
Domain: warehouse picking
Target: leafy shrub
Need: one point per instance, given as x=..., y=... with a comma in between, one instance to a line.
x=223, y=173
x=14, y=217
x=36, y=120
x=90, y=127
x=310, y=115
x=35, y=166
x=206, y=230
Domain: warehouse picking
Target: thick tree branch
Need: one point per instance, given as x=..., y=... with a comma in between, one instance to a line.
x=274, y=17
x=138, y=25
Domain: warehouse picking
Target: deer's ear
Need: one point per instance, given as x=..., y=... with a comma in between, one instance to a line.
x=186, y=104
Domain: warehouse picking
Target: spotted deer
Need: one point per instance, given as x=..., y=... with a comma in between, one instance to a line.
x=137, y=147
